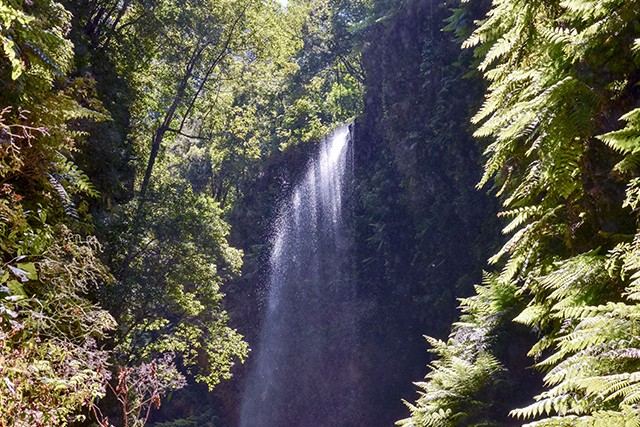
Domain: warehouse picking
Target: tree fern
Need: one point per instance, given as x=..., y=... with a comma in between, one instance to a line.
x=559, y=72
x=76, y=179
x=457, y=391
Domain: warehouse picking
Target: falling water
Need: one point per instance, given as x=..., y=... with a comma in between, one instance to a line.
x=305, y=371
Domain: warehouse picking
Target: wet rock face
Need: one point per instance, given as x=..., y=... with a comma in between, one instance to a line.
x=423, y=231
x=305, y=368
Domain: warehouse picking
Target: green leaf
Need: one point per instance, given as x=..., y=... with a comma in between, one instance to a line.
x=16, y=288
x=30, y=269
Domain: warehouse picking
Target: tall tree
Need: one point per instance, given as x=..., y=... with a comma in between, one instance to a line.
x=168, y=246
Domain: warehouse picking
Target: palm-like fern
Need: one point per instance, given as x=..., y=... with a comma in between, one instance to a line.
x=450, y=395
x=460, y=386
x=558, y=71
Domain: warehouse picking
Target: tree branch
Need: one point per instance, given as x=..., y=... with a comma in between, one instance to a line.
x=213, y=65
x=179, y=132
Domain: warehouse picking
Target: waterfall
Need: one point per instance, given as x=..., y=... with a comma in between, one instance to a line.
x=305, y=371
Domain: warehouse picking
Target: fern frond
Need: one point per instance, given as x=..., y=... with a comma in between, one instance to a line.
x=557, y=36
x=626, y=140
x=529, y=187
x=79, y=112
x=563, y=172
x=544, y=406
x=511, y=244
x=624, y=418
x=499, y=49
x=76, y=179
x=520, y=215
x=619, y=309
x=630, y=164
x=437, y=418
x=67, y=204
x=626, y=385
x=526, y=235
x=585, y=10
x=573, y=272
x=589, y=334
x=531, y=315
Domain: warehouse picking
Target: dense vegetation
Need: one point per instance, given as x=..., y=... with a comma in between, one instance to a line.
x=144, y=147
x=128, y=130
x=560, y=123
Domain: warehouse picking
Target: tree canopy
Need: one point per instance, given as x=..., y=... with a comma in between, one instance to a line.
x=128, y=131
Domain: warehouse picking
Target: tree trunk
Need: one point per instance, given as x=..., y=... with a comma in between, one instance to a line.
x=159, y=134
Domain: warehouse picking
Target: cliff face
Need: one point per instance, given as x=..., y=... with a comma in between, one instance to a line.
x=423, y=232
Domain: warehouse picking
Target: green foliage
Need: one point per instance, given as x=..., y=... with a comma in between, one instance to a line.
x=454, y=387
x=34, y=43
x=205, y=90
x=52, y=365
x=168, y=293
x=556, y=72
x=9, y=15
x=460, y=388
x=208, y=88
x=626, y=142
x=51, y=362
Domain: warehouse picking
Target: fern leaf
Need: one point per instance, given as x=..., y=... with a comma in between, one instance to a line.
x=626, y=140
x=531, y=316
x=76, y=179
x=67, y=203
